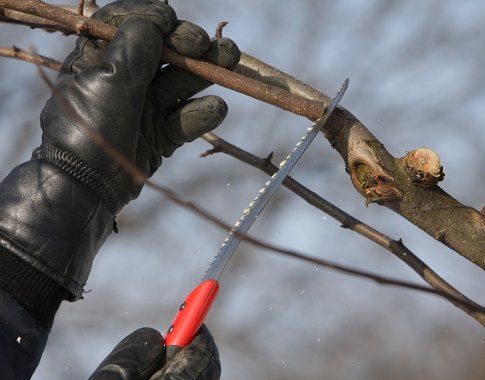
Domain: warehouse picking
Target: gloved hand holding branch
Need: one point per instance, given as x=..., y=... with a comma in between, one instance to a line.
x=57, y=209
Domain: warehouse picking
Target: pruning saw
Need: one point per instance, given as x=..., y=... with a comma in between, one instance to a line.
x=198, y=302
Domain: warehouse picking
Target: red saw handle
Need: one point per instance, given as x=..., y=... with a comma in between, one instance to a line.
x=191, y=314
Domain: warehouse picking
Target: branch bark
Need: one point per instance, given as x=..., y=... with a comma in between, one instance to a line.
x=375, y=173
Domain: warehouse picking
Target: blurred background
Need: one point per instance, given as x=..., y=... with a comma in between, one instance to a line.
x=416, y=74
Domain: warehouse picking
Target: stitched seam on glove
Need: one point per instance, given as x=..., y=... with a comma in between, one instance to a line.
x=88, y=175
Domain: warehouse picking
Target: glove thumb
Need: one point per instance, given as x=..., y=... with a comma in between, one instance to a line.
x=136, y=357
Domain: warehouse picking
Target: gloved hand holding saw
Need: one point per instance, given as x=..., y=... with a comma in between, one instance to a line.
x=57, y=209
x=142, y=356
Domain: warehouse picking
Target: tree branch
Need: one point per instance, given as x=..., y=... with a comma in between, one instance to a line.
x=15, y=17
x=375, y=173
x=17, y=53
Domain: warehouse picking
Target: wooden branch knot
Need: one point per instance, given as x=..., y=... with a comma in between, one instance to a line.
x=369, y=176
x=81, y=28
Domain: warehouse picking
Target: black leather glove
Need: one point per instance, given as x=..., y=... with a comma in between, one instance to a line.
x=119, y=91
x=142, y=356
x=57, y=209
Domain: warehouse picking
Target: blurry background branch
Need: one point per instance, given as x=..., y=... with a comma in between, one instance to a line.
x=18, y=53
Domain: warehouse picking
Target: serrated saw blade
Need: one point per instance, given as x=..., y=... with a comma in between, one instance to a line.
x=251, y=213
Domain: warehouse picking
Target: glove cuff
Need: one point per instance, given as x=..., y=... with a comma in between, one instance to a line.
x=106, y=188
x=53, y=224
x=38, y=294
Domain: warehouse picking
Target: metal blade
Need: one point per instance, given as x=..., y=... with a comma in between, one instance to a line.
x=250, y=214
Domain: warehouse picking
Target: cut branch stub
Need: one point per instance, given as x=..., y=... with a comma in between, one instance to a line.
x=424, y=167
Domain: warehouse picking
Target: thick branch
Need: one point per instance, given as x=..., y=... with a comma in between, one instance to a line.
x=375, y=173
x=396, y=183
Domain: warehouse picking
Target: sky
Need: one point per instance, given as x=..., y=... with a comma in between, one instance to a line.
x=416, y=74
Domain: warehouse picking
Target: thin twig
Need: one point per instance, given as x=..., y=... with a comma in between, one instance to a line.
x=219, y=28
x=140, y=177
x=17, y=53
x=80, y=9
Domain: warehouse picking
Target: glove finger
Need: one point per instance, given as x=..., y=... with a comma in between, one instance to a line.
x=175, y=85
x=111, y=94
x=188, y=122
x=188, y=39
x=194, y=118
x=136, y=357
x=199, y=360
x=133, y=56
x=89, y=51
